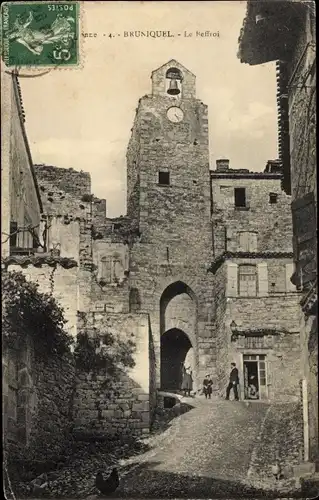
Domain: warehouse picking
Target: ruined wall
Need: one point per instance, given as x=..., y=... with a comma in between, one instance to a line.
x=62, y=190
x=61, y=282
x=103, y=406
x=110, y=289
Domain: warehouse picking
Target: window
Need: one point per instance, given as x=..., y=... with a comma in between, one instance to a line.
x=262, y=372
x=13, y=233
x=247, y=280
x=273, y=198
x=163, y=178
x=240, y=197
x=247, y=241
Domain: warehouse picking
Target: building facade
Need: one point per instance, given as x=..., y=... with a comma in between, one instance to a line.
x=262, y=40
x=252, y=241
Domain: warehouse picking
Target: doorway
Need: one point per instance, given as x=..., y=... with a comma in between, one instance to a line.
x=175, y=345
x=255, y=379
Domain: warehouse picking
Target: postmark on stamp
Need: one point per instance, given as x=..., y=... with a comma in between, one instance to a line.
x=40, y=33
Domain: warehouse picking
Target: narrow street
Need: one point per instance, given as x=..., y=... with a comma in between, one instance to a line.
x=205, y=453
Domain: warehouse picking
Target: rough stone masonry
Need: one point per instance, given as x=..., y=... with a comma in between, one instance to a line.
x=198, y=268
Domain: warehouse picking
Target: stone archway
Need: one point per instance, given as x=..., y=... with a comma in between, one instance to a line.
x=175, y=345
x=178, y=329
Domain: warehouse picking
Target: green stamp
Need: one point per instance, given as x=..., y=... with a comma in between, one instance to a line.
x=40, y=33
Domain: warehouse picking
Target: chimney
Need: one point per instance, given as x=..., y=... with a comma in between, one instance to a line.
x=222, y=165
x=273, y=166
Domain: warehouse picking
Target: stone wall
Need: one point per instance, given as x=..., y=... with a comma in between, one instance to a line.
x=17, y=176
x=62, y=189
x=302, y=109
x=61, y=233
x=159, y=84
x=37, y=406
x=302, y=132
x=103, y=406
x=175, y=244
x=274, y=316
x=309, y=362
x=219, y=309
x=61, y=282
x=271, y=222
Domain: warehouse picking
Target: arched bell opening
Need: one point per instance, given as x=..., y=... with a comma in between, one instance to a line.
x=175, y=346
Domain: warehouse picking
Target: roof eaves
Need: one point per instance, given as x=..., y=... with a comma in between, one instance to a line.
x=18, y=98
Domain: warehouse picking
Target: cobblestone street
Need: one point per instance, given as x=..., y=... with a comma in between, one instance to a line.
x=206, y=453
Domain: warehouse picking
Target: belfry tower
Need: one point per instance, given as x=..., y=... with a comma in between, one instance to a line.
x=168, y=184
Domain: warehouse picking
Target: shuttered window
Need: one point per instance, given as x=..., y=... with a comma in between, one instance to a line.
x=232, y=271
x=247, y=280
x=290, y=287
x=262, y=279
x=247, y=241
x=105, y=272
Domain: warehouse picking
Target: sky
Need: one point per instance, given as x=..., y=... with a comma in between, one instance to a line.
x=81, y=117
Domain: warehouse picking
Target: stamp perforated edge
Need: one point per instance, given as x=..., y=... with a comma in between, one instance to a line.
x=30, y=70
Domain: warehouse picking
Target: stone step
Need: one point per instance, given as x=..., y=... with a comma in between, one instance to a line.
x=304, y=468
x=310, y=485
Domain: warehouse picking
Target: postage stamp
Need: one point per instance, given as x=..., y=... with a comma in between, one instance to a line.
x=40, y=33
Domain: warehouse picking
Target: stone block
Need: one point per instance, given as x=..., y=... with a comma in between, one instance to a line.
x=138, y=407
x=107, y=414
x=112, y=406
x=143, y=397
x=303, y=469
x=145, y=416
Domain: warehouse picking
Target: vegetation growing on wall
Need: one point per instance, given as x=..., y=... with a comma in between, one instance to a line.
x=105, y=352
x=26, y=311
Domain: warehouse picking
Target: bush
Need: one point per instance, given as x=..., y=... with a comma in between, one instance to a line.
x=107, y=353
x=26, y=311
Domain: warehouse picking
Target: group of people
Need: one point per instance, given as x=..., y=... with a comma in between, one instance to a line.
x=187, y=383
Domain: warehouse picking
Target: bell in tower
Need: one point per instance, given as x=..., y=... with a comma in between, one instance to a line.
x=173, y=88
x=174, y=78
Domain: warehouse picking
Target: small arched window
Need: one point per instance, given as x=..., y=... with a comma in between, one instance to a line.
x=174, y=74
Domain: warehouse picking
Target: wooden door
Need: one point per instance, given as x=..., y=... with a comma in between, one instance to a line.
x=262, y=379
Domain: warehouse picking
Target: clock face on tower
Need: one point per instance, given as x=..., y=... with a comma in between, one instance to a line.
x=175, y=114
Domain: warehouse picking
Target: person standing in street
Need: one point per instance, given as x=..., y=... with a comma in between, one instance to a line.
x=233, y=382
x=187, y=381
x=207, y=386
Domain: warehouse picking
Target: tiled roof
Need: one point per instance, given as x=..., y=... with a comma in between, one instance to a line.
x=39, y=260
